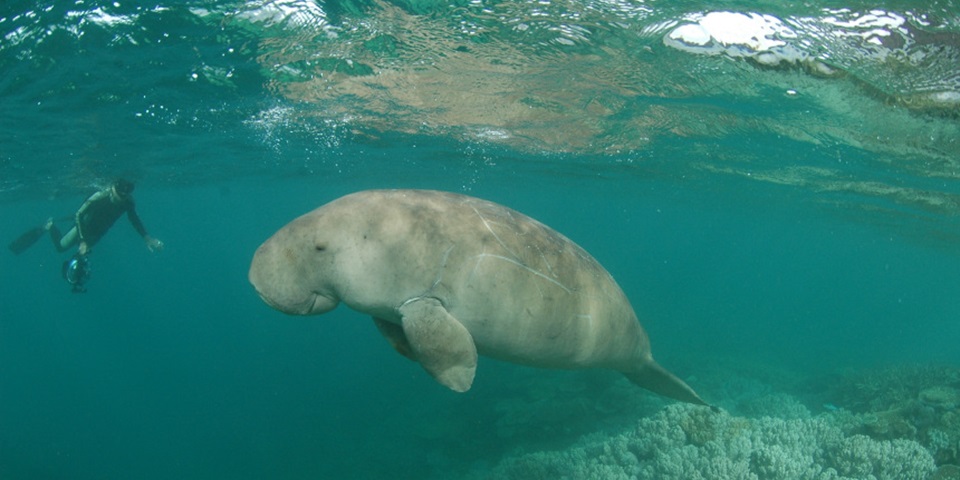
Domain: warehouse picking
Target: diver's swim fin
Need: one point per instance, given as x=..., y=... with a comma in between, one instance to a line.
x=25, y=241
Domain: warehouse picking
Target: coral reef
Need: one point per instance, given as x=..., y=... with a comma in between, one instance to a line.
x=688, y=442
x=897, y=423
x=885, y=388
x=913, y=402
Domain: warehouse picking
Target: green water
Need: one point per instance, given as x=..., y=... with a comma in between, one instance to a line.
x=788, y=238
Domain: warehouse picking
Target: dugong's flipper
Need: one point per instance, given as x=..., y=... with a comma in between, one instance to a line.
x=441, y=344
x=394, y=334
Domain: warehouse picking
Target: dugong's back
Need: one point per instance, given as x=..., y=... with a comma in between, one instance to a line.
x=524, y=291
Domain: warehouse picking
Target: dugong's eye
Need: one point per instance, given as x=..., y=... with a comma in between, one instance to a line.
x=320, y=247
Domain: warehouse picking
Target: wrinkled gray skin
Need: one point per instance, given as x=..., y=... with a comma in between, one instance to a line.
x=447, y=276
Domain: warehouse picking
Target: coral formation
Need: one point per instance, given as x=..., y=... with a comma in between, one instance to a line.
x=914, y=402
x=898, y=423
x=687, y=442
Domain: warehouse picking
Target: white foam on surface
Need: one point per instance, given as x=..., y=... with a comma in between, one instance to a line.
x=717, y=31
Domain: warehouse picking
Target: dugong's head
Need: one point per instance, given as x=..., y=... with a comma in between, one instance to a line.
x=292, y=270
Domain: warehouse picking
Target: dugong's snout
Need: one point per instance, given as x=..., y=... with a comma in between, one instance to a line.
x=284, y=282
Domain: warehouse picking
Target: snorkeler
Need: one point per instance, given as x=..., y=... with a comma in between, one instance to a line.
x=97, y=215
x=91, y=222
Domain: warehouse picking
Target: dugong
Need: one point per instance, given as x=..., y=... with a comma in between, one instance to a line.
x=447, y=277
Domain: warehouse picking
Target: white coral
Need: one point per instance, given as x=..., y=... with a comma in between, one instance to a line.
x=687, y=442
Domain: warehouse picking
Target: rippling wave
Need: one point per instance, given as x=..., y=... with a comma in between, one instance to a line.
x=592, y=77
x=612, y=81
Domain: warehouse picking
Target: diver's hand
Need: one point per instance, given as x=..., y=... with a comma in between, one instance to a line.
x=83, y=249
x=153, y=244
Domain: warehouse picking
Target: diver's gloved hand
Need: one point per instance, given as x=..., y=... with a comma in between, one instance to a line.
x=153, y=244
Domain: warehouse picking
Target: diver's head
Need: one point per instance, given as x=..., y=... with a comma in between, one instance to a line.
x=122, y=188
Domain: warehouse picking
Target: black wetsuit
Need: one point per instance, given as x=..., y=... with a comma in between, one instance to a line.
x=95, y=217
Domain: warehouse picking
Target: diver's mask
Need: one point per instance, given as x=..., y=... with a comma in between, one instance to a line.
x=76, y=272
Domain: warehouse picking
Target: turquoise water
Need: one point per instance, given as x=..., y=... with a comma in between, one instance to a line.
x=781, y=209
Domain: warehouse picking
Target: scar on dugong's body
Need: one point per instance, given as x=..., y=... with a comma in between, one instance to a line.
x=447, y=276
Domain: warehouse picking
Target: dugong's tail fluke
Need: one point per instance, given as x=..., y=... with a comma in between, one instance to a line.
x=657, y=379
